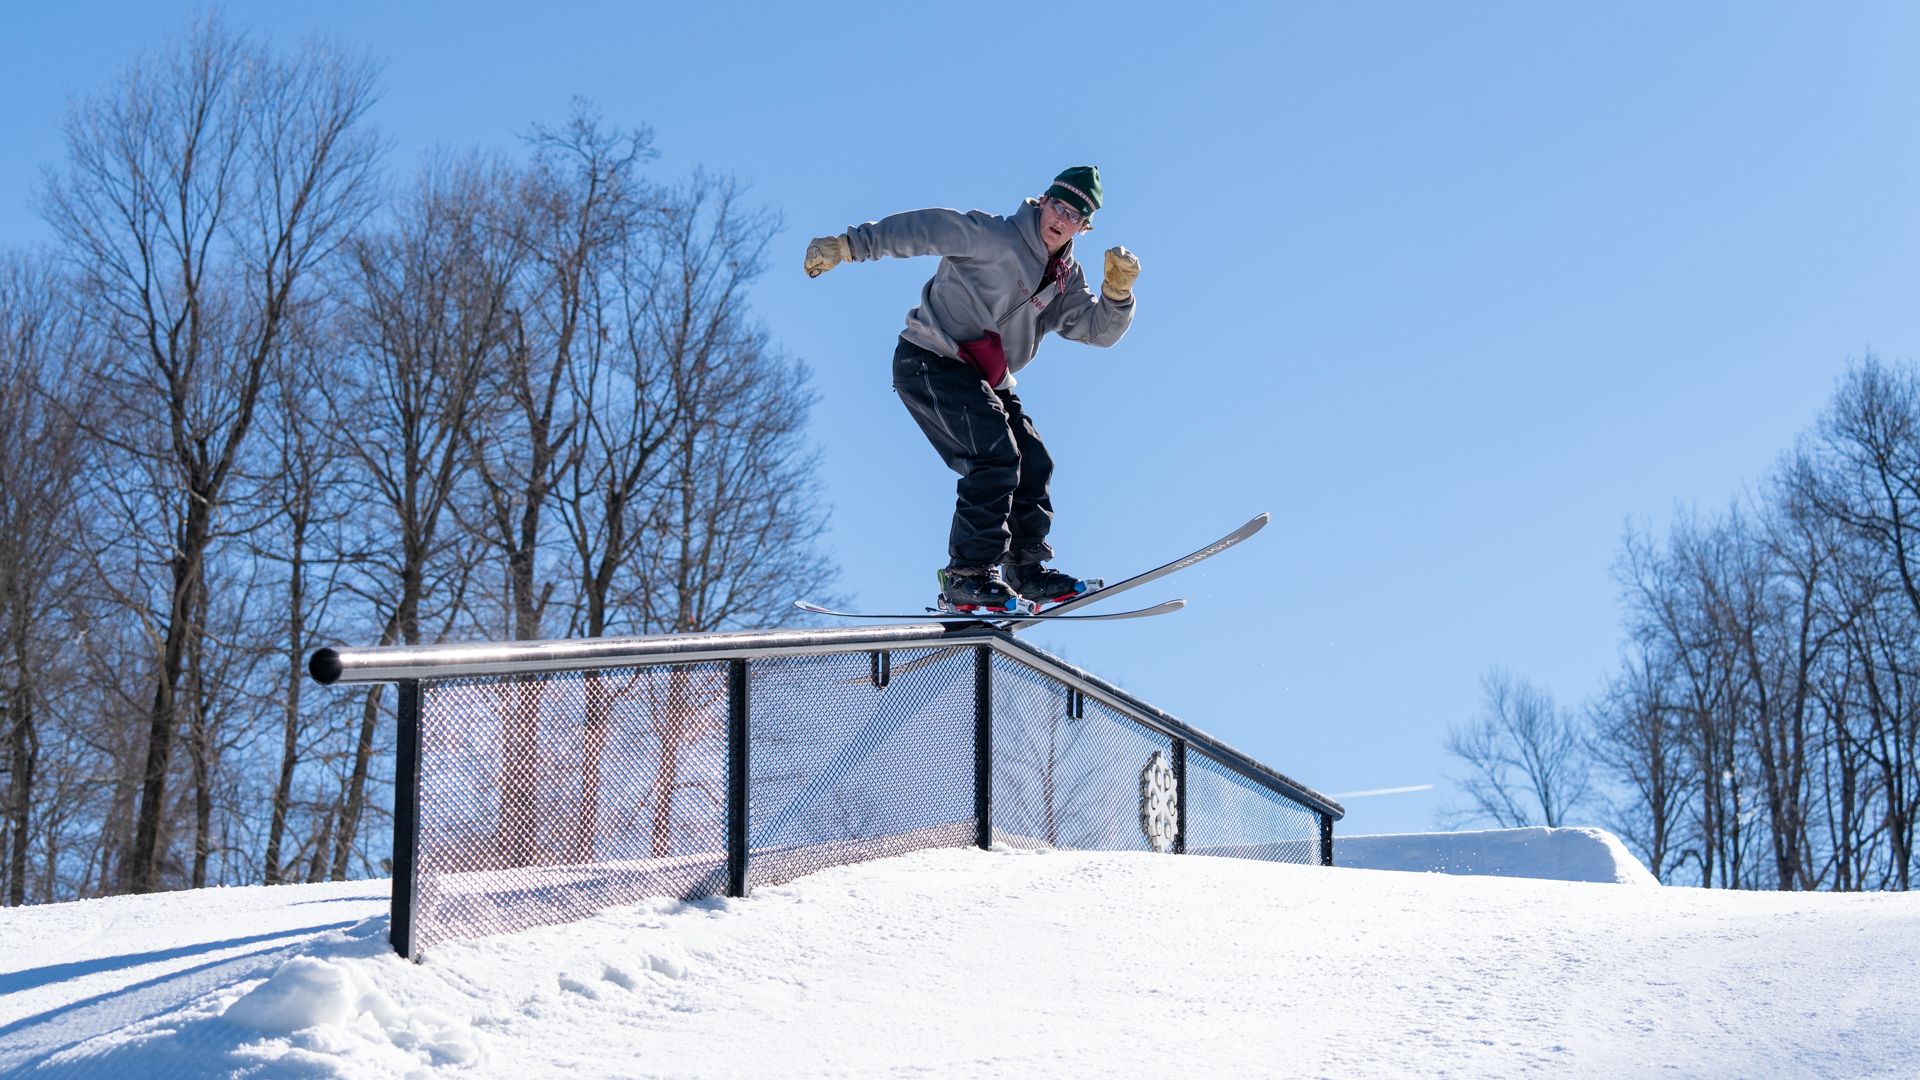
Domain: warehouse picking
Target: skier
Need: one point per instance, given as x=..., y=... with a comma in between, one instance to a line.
x=1002, y=283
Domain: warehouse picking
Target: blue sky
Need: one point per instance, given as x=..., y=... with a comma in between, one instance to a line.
x=1454, y=291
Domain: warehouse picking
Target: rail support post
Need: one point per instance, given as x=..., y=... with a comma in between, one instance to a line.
x=983, y=746
x=1179, y=796
x=737, y=773
x=406, y=818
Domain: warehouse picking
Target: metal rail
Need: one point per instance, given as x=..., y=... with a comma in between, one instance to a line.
x=397, y=663
x=407, y=663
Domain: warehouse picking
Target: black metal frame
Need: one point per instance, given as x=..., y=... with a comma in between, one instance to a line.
x=738, y=744
x=408, y=666
x=1180, y=796
x=406, y=817
x=983, y=746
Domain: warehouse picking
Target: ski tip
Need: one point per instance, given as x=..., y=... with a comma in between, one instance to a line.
x=1165, y=607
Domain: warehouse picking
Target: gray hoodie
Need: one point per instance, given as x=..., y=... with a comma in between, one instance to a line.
x=990, y=269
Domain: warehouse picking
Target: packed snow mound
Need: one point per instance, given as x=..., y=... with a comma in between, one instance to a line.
x=1556, y=854
x=969, y=963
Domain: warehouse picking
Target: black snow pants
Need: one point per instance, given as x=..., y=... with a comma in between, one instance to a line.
x=1003, y=511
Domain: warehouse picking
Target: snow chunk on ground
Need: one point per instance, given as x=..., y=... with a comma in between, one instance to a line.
x=304, y=992
x=1555, y=854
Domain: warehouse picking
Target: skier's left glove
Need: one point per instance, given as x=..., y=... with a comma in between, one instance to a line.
x=825, y=253
x=1123, y=269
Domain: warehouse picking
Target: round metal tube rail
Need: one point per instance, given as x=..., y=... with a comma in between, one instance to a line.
x=395, y=663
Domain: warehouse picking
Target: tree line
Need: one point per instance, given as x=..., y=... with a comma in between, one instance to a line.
x=261, y=396
x=1762, y=730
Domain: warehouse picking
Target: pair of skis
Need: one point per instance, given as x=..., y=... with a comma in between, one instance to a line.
x=1064, y=610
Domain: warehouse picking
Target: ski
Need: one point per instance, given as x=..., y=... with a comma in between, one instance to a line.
x=993, y=616
x=1064, y=611
x=1060, y=610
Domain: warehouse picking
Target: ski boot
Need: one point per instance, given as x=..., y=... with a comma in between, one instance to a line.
x=967, y=590
x=1043, y=586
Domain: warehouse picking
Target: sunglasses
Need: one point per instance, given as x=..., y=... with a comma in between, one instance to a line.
x=1066, y=213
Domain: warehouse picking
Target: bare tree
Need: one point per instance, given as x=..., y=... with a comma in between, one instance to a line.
x=1867, y=478
x=303, y=473
x=739, y=516
x=301, y=487
x=583, y=205
x=1768, y=700
x=225, y=696
x=736, y=518
x=1527, y=757
x=427, y=316
x=578, y=208
x=1672, y=617
x=686, y=493
x=1786, y=636
x=1636, y=737
x=1883, y=710
x=623, y=386
x=1869, y=444
x=199, y=197
x=546, y=368
x=41, y=458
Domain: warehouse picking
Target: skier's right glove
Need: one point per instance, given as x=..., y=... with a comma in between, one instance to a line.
x=825, y=253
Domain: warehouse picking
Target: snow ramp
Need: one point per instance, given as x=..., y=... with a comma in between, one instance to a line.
x=1563, y=854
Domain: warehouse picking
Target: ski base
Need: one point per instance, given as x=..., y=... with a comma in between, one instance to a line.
x=994, y=617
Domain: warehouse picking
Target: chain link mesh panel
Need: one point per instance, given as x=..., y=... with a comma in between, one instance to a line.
x=1066, y=769
x=858, y=756
x=545, y=798
x=1229, y=814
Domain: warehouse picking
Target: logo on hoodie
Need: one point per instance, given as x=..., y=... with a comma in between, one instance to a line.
x=1056, y=276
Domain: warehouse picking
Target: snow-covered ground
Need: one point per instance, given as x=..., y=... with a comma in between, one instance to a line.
x=960, y=962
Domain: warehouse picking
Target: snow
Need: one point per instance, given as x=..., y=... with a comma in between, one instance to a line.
x=960, y=962
x=1559, y=854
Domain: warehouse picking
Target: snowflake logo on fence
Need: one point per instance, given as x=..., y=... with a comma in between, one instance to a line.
x=1159, y=802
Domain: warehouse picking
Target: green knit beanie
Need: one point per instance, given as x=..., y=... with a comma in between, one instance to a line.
x=1078, y=187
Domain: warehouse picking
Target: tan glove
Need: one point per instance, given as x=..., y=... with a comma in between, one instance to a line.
x=1123, y=268
x=825, y=253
